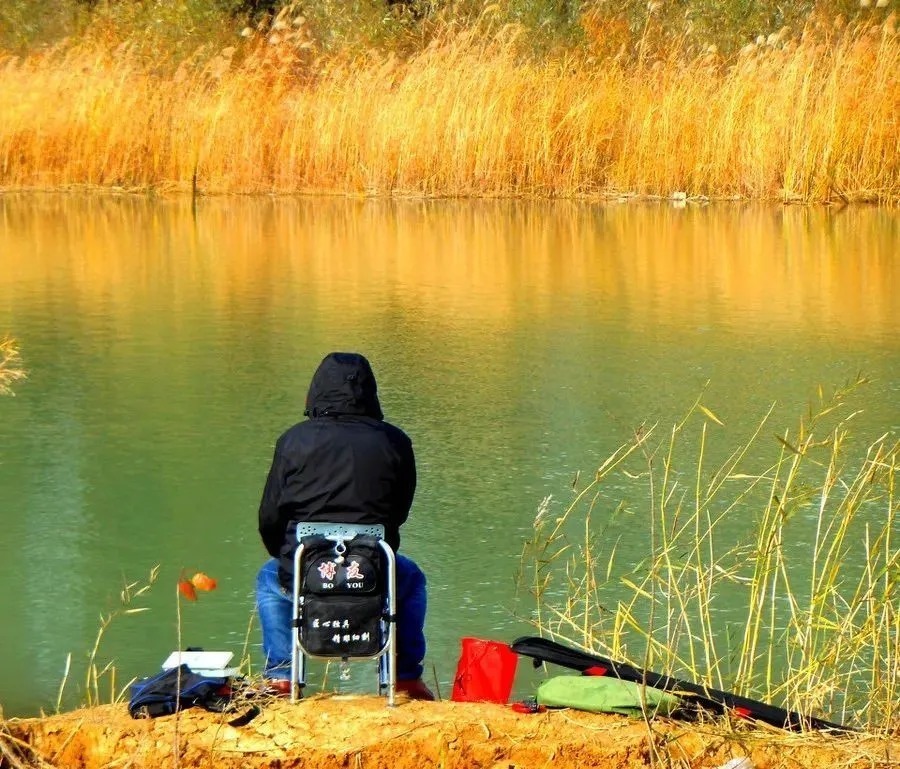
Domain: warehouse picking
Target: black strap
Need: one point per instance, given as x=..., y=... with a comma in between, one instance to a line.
x=246, y=717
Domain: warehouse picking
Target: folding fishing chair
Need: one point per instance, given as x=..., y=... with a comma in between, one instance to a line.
x=344, y=600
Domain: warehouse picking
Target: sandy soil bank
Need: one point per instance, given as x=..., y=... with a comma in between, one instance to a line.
x=360, y=731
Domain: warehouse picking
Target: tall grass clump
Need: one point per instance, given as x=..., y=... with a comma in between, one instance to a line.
x=777, y=578
x=463, y=110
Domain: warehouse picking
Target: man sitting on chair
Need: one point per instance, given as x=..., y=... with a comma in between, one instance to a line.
x=344, y=464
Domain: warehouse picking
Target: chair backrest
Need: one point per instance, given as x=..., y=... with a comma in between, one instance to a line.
x=334, y=530
x=342, y=596
x=344, y=599
x=297, y=530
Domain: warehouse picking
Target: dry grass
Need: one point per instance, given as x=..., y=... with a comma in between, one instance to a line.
x=16, y=753
x=810, y=118
x=10, y=366
x=781, y=584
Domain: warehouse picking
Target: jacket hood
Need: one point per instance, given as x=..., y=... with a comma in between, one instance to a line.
x=343, y=384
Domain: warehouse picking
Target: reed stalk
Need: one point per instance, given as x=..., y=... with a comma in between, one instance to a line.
x=469, y=112
x=801, y=554
x=95, y=674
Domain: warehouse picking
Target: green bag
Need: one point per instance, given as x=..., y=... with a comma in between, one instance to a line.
x=604, y=694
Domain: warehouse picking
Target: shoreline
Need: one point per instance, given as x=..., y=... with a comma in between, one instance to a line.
x=361, y=731
x=677, y=199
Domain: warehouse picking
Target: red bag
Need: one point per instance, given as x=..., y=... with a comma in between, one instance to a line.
x=485, y=672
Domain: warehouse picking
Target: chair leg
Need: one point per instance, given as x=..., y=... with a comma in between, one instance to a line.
x=298, y=670
x=391, y=658
x=298, y=659
x=387, y=677
x=390, y=655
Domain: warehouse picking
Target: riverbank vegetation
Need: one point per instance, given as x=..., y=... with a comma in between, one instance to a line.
x=799, y=609
x=681, y=100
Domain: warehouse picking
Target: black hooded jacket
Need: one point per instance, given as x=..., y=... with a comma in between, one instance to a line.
x=344, y=464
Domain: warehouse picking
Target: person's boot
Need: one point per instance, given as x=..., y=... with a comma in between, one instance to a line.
x=415, y=689
x=278, y=687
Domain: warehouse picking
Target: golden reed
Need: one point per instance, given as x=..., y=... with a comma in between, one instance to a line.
x=805, y=119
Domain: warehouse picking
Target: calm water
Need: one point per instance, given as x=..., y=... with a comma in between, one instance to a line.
x=517, y=344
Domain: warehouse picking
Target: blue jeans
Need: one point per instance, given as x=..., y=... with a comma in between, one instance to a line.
x=273, y=603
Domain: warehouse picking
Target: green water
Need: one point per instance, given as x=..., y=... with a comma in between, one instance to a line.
x=516, y=344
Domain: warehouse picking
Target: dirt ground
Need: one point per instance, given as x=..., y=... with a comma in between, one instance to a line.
x=357, y=732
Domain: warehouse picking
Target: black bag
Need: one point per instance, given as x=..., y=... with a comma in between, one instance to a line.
x=159, y=695
x=543, y=650
x=342, y=597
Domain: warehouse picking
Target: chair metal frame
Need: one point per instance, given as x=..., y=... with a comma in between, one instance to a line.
x=387, y=653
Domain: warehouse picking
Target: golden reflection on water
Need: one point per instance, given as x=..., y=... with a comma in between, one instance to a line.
x=462, y=262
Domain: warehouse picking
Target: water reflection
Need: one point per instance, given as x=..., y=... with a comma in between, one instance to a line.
x=464, y=262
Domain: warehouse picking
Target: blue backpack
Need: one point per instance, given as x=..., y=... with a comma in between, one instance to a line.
x=159, y=695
